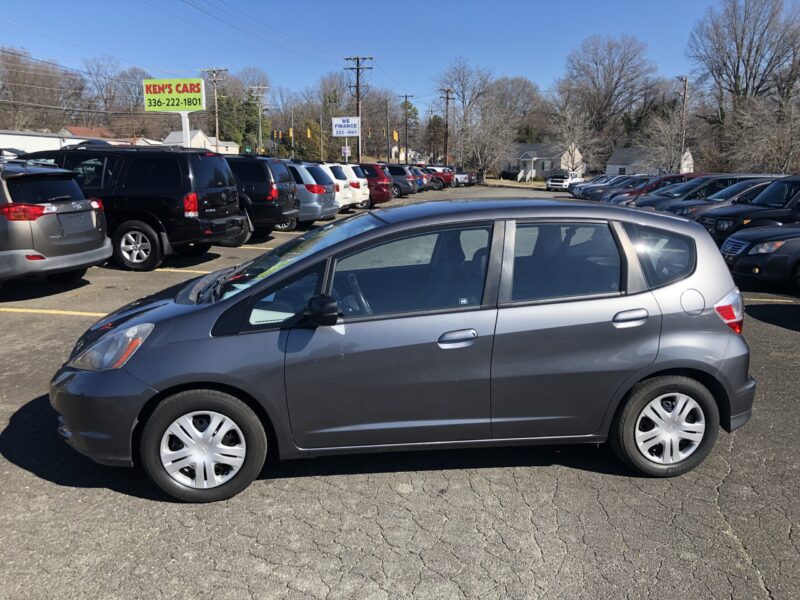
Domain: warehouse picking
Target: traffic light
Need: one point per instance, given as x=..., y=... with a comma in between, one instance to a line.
x=395, y=135
x=308, y=132
x=291, y=132
x=280, y=134
x=369, y=134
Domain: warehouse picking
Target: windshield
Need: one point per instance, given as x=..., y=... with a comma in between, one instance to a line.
x=681, y=189
x=314, y=241
x=732, y=190
x=778, y=194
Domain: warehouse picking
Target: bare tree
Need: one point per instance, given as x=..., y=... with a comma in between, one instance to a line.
x=768, y=137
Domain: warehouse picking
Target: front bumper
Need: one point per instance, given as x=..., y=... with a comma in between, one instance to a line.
x=98, y=412
x=774, y=267
x=14, y=264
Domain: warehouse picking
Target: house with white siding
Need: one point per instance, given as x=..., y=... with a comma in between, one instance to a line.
x=541, y=160
x=630, y=160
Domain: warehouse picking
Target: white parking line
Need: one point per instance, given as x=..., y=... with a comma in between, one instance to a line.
x=256, y=247
x=171, y=270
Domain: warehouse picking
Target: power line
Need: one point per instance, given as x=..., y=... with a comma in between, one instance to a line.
x=358, y=68
x=259, y=91
x=86, y=110
x=216, y=76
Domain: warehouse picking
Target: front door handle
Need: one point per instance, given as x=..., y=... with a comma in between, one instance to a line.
x=630, y=318
x=458, y=339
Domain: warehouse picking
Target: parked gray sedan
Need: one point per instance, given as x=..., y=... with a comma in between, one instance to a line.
x=47, y=226
x=316, y=192
x=437, y=325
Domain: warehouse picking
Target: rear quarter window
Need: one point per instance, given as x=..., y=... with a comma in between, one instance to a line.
x=359, y=173
x=320, y=176
x=211, y=171
x=665, y=256
x=248, y=171
x=161, y=173
x=397, y=171
x=280, y=172
x=369, y=171
x=339, y=173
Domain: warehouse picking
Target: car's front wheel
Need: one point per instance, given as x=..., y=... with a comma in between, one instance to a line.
x=667, y=427
x=203, y=446
x=137, y=246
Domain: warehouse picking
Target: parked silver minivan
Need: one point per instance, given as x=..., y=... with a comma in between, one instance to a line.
x=47, y=225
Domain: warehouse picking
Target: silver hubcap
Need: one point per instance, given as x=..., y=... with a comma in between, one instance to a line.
x=202, y=449
x=135, y=247
x=670, y=428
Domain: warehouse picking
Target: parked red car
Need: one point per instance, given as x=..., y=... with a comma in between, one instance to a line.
x=656, y=183
x=380, y=184
x=443, y=175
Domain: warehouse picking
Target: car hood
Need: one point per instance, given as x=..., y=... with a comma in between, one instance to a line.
x=734, y=210
x=768, y=234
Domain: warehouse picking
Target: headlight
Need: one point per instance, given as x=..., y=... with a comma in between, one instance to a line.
x=686, y=211
x=112, y=351
x=724, y=224
x=766, y=248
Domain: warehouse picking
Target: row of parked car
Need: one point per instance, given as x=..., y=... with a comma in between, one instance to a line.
x=68, y=209
x=753, y=218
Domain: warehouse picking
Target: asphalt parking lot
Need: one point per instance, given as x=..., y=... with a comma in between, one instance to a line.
x=542, y=522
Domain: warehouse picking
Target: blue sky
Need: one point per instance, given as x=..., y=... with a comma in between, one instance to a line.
x=296, y=42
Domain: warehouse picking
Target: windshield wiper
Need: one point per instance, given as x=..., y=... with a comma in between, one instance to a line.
x=57, y=198
x=215, y=284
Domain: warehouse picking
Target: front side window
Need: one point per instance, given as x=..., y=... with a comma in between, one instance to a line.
x=564, y=260
x=286, y=300
x=665, y=256
x=778, y=194
x=154, y=174
x=431, y=271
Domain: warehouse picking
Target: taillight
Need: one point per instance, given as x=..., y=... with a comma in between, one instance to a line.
x=273, y=192
x=97, y=204
x=315, y=188
x=731, y=310
x=410, y=178
x=337, y=187
x=190, y=206
x=22, y=212
x=355, y=184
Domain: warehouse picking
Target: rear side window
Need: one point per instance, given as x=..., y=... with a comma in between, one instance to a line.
x=40, y=190
x=564, y=260
x=665, y=256
x=252, y=172
x=280, y=173
x=338, y=173
x=298, y=179
x=320, y=176
x=210, y=171
x=370, y=171
x=154, y=174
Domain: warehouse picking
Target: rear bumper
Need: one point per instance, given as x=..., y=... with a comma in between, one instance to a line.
x=270, y=214
x=14, y=264
x=188, y=231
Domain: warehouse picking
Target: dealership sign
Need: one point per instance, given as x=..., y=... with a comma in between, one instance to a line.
x=345, y=126
x=174, y=95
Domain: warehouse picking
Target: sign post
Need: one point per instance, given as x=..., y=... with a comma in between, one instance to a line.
x=182, y=96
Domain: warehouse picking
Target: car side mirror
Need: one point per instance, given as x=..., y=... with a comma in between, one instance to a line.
x=323, y=310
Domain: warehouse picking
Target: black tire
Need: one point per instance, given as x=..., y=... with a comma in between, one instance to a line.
x=623, y=431
x=156, y=252
x=67, y=276
x=286, y=225
x=196, y=249
x=186, y=402
x=365, y=204
x=396, y=191
x=438, y=184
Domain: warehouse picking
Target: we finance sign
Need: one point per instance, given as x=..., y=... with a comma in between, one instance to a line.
x=345, y=126
x=174, y=95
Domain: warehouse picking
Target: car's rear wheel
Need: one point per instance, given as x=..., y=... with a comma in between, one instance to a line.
x=364, y=204
x=438, y=184
x=203, y=446
x=195, y=249
x=67, y=276
x=137, y=246
x=286, y=225
x=667, y=426
x=395, y=191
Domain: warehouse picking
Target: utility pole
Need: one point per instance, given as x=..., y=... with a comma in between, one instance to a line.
x=291, y=131
x=259, y=91
x=215, y=76
x=388, y=133
x=321, y=151
x=358, y=68
x=405, y=98
x=683, y=119
x=447, y=97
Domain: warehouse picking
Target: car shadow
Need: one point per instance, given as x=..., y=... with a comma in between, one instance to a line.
x=786, y=316
x=31, y=442
x=176, y=261
x=29, y=289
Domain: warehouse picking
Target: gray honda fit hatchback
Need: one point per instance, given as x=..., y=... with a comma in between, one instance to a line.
x=438, y=325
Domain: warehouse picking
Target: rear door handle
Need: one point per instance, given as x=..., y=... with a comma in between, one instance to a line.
x=630, y=318
x=458, y=339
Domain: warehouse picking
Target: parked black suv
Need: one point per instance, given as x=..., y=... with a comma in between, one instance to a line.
x=266, y=191
x=777, y=204
x=157, y=201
